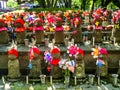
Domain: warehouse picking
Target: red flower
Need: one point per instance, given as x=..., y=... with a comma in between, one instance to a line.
x=48, y=68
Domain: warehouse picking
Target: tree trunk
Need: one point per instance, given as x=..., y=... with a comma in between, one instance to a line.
x=69, y=5
x=48, y=3
x=55, y=3
x=93, y=5
x=42, y=3
x=83, y=4
x=102, y=3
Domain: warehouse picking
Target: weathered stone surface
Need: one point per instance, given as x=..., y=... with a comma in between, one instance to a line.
x=59, y=37
x=13, y=68
x=90, y=63
x=39, y=35
x=20, y=36
x=4, y=37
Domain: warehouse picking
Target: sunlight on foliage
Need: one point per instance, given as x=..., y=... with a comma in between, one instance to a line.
x=112, y=6
x=76, y=3
x=12, y=4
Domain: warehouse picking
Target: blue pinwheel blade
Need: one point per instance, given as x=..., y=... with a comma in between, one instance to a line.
x=30, y=66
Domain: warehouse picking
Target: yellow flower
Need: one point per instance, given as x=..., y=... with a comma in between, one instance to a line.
x=51, y=29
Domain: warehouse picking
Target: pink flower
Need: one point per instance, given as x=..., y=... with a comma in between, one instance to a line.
x=74, y=32
x=103, y=51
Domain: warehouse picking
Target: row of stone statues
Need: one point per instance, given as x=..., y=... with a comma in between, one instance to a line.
x=72, y=64
x=59, y=35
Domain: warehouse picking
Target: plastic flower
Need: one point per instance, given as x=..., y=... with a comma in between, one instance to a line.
x=72, y=50
x=95, y=52
x=47, y=56
x=103, y=51
x=62, y=64
x=99, y=51
x=71, y=66
x=100, y=62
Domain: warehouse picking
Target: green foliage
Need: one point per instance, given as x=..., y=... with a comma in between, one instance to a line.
x=81, y=4
x=88, y=4
x=76, y=3
x=49, y=9
x=12, y=4
x=112, y=6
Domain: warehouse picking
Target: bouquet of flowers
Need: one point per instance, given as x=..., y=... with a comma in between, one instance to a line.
x=67, y=66
x=98, y=53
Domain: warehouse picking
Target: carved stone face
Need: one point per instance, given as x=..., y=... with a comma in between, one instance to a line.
x=18, y=25
x=80, y=70
x=55, y=56
x=38, y=24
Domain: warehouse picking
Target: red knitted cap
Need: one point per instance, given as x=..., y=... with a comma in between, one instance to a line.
x=19, y=20
x=35, y=50
x=13, y=52
x=55, y=50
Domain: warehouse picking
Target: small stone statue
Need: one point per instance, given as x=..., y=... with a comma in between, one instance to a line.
x=80, y=65
x=39, y=31
x=35, y=69
x=56, y=71
x=20, y=30
x=77, y=29
x=101, y=55
x=3, y=32
x=117, y=31
x=13, y=64
x=104, y=68
x=97, y=30
x=59, y=33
